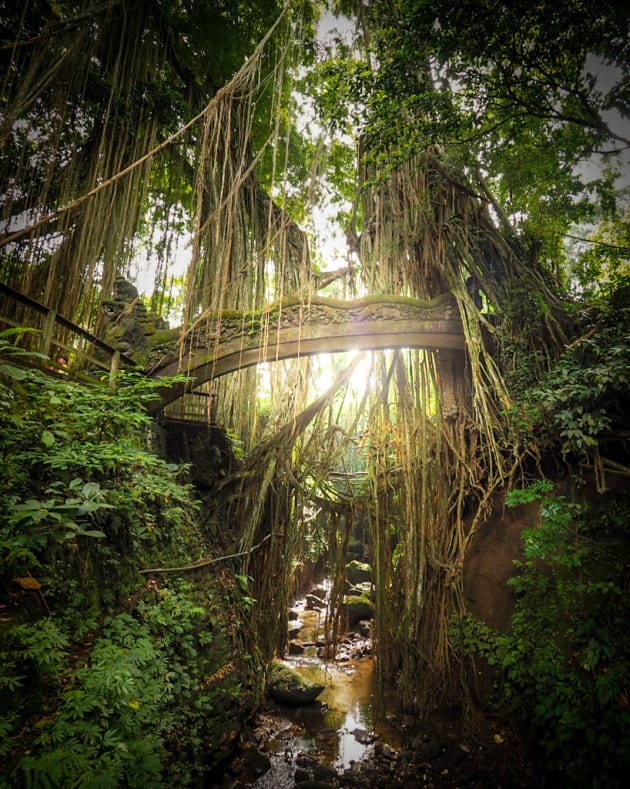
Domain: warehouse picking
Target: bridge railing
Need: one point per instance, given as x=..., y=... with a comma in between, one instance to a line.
x=193, y=407
x=70, y=348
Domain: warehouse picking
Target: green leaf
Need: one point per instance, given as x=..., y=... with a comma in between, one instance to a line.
x=10, y=371
x=90, y=489
x=91, y=533
x=47, y=438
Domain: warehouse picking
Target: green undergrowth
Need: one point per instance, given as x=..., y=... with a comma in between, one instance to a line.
x=563, y=668
x=108, y=677
x=564, y=665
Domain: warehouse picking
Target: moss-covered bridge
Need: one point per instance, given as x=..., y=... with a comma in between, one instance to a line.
x=292, y=328
x=232, y=340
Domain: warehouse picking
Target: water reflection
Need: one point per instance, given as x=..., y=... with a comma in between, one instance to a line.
x=337, y=730
x=353, y=740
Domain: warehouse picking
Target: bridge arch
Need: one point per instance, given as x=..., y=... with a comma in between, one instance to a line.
x=290, y=330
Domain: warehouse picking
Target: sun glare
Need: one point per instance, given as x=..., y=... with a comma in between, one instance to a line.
x=327, y=366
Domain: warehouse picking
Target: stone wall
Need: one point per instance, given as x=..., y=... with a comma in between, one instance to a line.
x=205, y=447
x=490, y=563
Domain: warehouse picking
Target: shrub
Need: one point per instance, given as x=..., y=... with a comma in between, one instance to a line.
x=564, y=665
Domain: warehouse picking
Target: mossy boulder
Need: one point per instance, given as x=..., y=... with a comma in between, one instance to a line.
x=358, y=572
x=356, y=609
x=289, y=687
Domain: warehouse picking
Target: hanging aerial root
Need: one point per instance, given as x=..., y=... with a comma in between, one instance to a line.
x=231, y=87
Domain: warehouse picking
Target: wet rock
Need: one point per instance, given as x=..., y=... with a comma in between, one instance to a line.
x=356, y=609
x=385, y=751
x=315, y=785
x=358, y=572
x=294, y=632
x=363, y=736
x=319, y=591
x=366, y=589
x=293, y=615
x=301, y=775
x=350, y=650
x=314, y=603
x=289, y=687
x=306, y=761
x=249, y=765
x=296, y=648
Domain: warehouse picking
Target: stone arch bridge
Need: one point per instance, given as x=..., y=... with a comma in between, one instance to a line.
x=292, y=328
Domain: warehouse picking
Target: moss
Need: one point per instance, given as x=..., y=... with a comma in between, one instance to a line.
x=114, y=334
x=289, y=687
x=356, y=609
x=357, y=572
x=164, y=337
x=326, y=301
x=366, y=301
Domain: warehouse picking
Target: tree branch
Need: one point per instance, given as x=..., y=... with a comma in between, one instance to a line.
x=203, y=562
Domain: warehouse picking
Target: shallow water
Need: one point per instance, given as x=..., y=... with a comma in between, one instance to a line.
x=337, y=730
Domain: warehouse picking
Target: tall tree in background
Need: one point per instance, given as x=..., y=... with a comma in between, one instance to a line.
x=474, y=122
x=90, y=89
x=535, y=99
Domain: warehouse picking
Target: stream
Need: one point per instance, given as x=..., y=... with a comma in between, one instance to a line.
x=344, y=738
x=322, y=739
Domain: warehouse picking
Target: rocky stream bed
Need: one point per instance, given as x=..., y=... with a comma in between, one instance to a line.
x=348, y=739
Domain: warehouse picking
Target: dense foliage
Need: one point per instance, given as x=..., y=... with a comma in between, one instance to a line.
x=564, y=664
x=582, y=402
x=108, y=677
x=93, y=89
x=528, y=99
x=491, y=144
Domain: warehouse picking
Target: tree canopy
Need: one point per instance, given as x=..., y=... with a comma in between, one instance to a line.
x=532, y=97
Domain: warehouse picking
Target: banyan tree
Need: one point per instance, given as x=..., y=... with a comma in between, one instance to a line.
x=159, y=129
